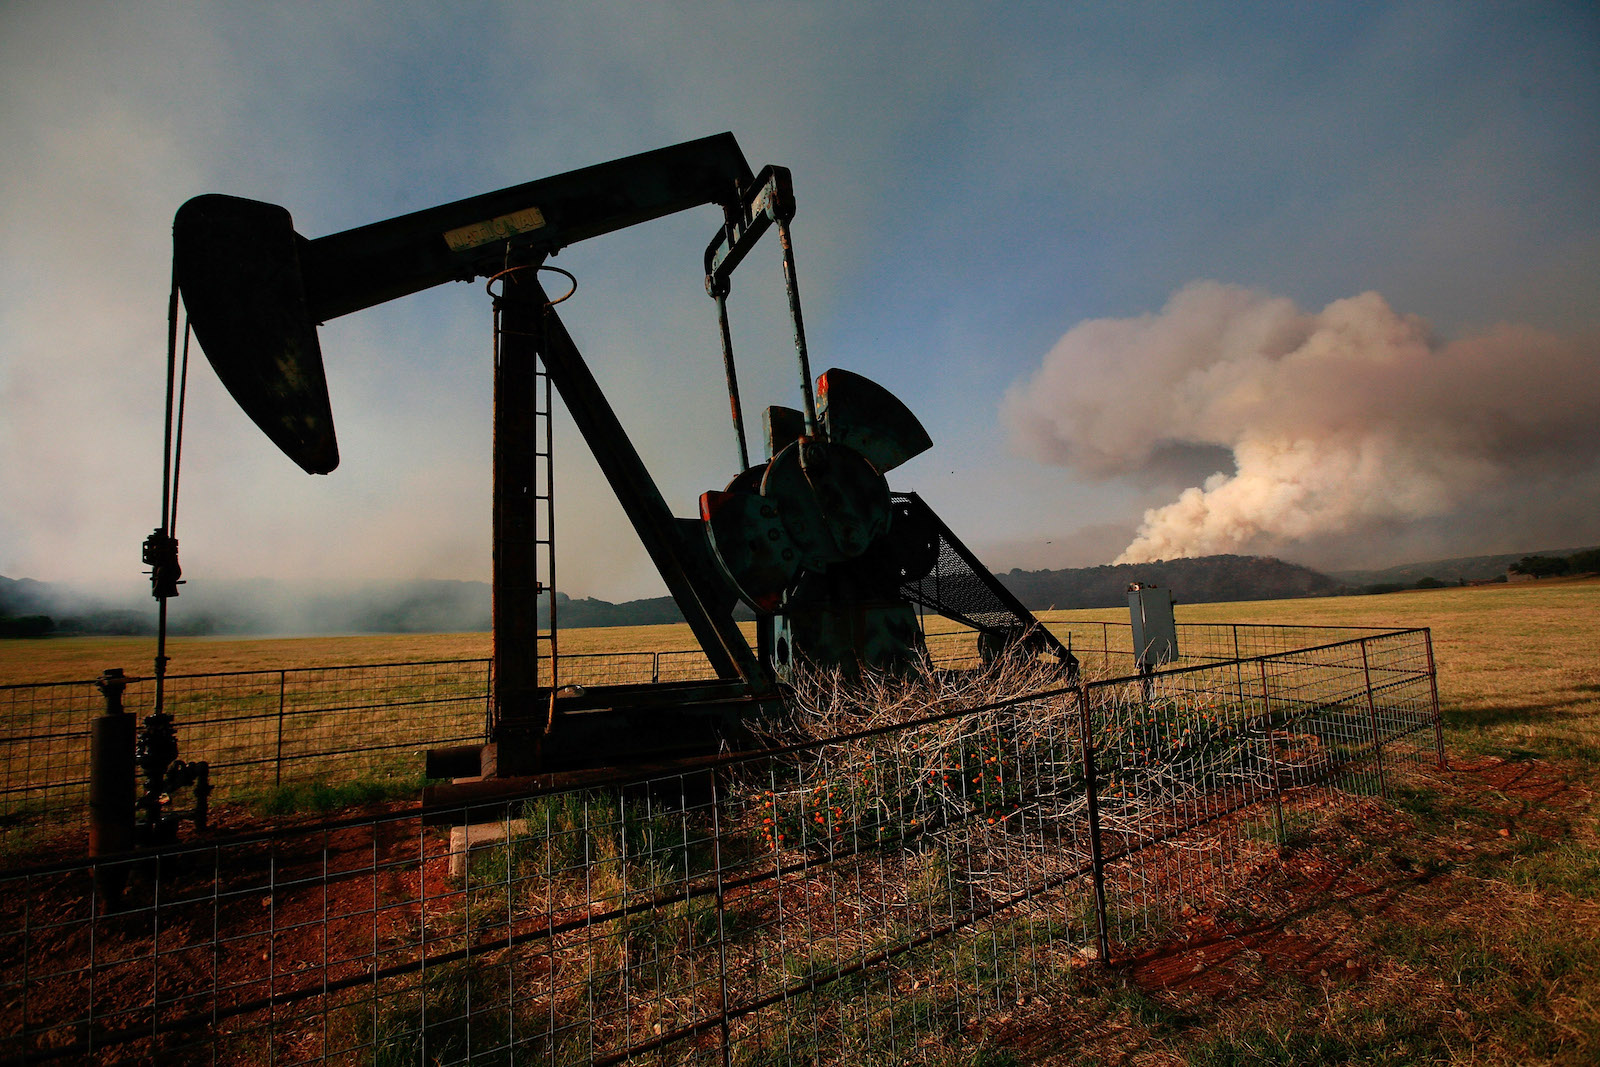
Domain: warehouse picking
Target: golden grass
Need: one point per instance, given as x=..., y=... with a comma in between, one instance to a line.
x=65, y=659
x=1461, y=928
x=1518, y=664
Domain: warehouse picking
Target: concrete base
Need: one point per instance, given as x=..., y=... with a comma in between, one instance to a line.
x=463, y=839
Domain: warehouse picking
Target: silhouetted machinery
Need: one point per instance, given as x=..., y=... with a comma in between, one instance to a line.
x=834, y=564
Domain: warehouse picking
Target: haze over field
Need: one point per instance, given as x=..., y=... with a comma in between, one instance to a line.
x=1160, y=281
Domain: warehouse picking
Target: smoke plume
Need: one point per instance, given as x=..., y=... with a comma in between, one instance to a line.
x=1342, y=422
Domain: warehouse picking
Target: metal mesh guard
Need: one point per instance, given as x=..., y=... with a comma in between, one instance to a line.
x=955, y=588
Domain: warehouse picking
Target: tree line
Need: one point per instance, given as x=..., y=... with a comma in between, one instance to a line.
x=1585, y=562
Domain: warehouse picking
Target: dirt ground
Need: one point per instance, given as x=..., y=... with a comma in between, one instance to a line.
x=1419, y=930
x=1385, y=936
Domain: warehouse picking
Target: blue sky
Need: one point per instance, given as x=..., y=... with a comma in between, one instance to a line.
x=976, y=182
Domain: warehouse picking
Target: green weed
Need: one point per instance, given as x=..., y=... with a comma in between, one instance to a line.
x=1270, y=1046
x=1570, y=866
x=322, y=797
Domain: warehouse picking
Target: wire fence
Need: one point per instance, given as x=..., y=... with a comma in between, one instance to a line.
x=261, y=730
x=861, y=897
x=264, y=729
x=256, y=729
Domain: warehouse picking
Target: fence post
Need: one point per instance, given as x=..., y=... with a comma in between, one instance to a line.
x=488, y=701
x=277, y=762
x=1097, y=863
x=1277, y=775
x=1238, y=666
x=1372, y=718
x=655, y=667
x=722, y=938
x=1433, y=688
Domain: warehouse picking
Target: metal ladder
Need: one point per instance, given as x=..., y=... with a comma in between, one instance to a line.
x=546, y=643
x=526, y=647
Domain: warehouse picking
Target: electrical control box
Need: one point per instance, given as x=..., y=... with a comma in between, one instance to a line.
x=1155, y=631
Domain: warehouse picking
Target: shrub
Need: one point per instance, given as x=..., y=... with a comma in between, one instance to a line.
x=1585, y=562
x=1541, y=566
x=26, y=626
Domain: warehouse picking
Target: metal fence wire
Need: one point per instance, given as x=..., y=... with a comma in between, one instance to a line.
x=256, y=729
x=263, y=729
x=287, y=726
x=860, y=896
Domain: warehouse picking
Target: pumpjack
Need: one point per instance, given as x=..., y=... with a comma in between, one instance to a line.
x=836, y=566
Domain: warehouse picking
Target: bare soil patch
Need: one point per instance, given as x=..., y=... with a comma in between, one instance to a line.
x=1441, y=929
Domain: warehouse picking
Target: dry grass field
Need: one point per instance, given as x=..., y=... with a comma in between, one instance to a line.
x=1459, y=924
x=1519, y=665
x=1463, y=929
x=76, y=658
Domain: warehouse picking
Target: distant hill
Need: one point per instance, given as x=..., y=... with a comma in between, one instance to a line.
x=588, y=612
x=269, y=607
x=1208, y=579
x=24, y=596
x=63, y=609
x=1195, y=581
x=1461, y=568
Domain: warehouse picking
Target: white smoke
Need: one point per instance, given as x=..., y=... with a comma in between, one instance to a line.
x=1345, y=421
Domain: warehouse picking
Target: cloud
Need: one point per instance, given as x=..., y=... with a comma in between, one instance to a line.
x=1012, y=164
x=1340, y=422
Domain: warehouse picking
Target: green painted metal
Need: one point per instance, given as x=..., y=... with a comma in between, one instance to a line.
x=864, y=416
x=751, y=544
x=848, y=635
x=782, y=427
x=786, y=487
x=814, y=553
x=852, y=496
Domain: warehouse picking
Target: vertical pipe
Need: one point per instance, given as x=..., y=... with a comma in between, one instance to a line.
x=166, y=488
x=1096, y=855
x=113, y=787
x=791, y=285
x=1433, y=689
x=1372, y=718
x=161, y=654
x=733, y=379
